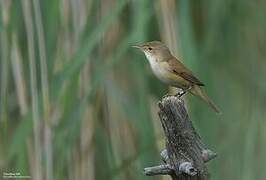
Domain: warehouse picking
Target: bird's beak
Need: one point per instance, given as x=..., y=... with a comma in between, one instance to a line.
x=137, y=46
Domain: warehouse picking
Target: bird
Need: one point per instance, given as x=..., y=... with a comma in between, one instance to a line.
x=172, y=72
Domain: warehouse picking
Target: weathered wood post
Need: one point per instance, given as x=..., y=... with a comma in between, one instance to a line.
x=185, y=155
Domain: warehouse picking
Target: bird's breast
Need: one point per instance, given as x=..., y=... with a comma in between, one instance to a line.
x=162, y=72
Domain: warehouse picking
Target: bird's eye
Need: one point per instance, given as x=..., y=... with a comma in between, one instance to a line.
x=150, y=48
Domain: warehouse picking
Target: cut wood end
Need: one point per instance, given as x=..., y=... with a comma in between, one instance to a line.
x=187, y=167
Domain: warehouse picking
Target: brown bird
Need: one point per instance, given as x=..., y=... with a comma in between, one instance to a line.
x=172, y=72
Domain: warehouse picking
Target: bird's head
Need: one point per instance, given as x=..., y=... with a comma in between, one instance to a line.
x=154, y=50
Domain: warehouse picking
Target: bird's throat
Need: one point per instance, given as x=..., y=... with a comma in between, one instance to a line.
x=151, y=58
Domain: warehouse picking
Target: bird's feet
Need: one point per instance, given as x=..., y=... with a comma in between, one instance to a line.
x=180, y=94
x=166, y=95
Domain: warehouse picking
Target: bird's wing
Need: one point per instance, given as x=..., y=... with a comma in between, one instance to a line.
x=179, y=69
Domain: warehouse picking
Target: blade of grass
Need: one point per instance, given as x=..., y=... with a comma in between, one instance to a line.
x=45, y=91
x=27, y=15
x=18, y=75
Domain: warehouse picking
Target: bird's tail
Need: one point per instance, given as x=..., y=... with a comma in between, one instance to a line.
x=197, y=91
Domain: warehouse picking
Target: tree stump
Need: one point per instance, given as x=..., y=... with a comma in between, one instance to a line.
x=185, y=155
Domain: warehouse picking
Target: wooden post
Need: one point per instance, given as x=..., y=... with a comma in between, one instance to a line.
x=185, y=155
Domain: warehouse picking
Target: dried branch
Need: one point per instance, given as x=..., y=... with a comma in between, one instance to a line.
x=185, y=154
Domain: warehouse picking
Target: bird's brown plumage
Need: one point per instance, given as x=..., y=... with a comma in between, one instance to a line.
x=179, y=69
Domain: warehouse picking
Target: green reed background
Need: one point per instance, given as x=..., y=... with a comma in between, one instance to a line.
x=77, y=102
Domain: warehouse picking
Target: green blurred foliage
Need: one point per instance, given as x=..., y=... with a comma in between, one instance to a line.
x=77, y=102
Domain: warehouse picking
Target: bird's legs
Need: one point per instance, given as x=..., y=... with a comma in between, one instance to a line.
x=179, y=94
x=184, y=91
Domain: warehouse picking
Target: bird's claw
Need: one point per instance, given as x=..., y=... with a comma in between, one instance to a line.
x=166, y=95
x=180, y=94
